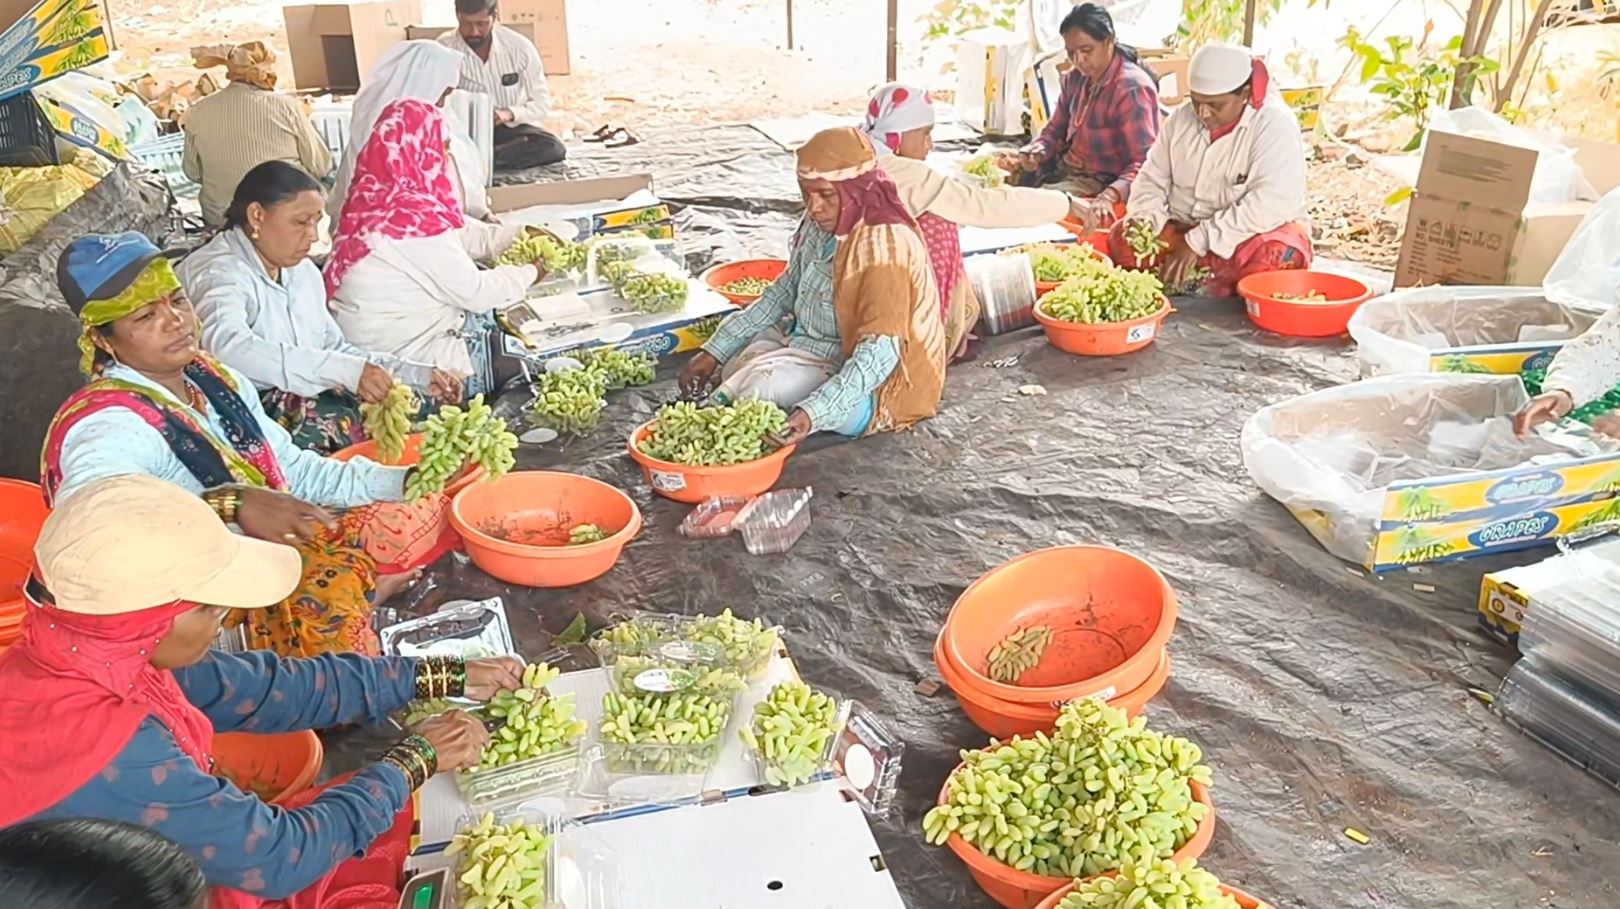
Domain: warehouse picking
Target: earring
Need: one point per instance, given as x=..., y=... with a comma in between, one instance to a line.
x=254, y=235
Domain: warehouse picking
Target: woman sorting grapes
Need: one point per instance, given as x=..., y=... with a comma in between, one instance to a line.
x=900, y=123
x=402, y=276
x=1222, y=195
x=110, y=704
x=156, y=405
x=865, y=350
x=1581, y=375
x=263, y=311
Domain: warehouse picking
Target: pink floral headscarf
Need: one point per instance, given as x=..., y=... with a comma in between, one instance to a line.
x=402, y=186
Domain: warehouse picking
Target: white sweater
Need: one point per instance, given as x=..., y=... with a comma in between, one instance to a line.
x=1244, y=184
x=410, y=298
x=925, y=190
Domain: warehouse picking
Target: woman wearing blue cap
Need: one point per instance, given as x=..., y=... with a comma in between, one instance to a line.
x=157, y=405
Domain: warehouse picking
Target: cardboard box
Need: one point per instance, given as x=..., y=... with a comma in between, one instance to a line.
x=547, y=21
x=334, y=45
x=593, y=206
x=1471, y=221
x=1501, y=330
x=524, y=30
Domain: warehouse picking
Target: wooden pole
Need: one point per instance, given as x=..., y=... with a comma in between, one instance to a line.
x=894, y=40
x=790, y=24
x=1248, y=22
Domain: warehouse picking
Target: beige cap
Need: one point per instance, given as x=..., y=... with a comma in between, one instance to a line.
x=135, y=542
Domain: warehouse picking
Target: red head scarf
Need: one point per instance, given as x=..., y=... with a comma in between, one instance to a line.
x=72, y=694
x=402, y=186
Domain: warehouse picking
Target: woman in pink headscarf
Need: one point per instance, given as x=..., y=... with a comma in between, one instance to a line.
x=900, y=123
x=1224, y=185
x=402, y=276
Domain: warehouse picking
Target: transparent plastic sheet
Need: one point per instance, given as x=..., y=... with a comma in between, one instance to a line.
x=468, y=630
x=1334, y=453
x=1574, y=626
x=1578, y=724
x=1400, y=332
x=1587, y=272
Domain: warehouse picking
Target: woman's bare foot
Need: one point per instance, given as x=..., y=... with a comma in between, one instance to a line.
x=389, y=585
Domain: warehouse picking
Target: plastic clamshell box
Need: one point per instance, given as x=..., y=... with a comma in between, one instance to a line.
x=581, y=872
x=547, y=775
x=748, y=664
x=471, y=630
x=675, y=667
x=714, y=517
x=773, y=522
x=867, y=757
x=825, y=765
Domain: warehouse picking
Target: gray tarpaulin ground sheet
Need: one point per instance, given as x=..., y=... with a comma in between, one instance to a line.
x=1324, y=699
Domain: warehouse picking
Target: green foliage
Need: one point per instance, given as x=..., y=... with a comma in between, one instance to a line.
x=1415, y=79
x=954, y=18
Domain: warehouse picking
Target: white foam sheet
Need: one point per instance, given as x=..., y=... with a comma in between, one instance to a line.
x=440, y=805
x=574, y=321
x=548, y=215
x=808, y=848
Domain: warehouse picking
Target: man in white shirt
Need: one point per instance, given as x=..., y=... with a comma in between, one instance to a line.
x=499, y=62
x=1223, y=187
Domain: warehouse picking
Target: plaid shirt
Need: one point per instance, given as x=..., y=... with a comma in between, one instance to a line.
x=1107, y=128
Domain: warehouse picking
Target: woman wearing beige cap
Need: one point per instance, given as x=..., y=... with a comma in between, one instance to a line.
x=109, y=705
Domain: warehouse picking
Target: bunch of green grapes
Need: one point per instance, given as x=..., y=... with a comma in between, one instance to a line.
x=746, y=287
x=454, y=438
x=534, y=722
x=1116, y=295
x=632, y=637
x=1143, y=241
x=418, y=710
x=1018, y=653
x=790, y=732
x=743, y=644
x=500, y=866
x=1053, y=263
x=1099, y=792
x=984, y=171
x=718, y=434
x=621, y=368
x=388, y=422
x=556, y=255
x=1162, y=883
x=653, y=293
x=569, y=403
x=585, y=534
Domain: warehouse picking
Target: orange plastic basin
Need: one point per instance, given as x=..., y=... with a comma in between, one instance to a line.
x=1004, y=719
x=1300, y=319
x=516, y=528
x=1244, y=900
x=413, y=453
x=1021, y=890
x=22, y=514
x=1110, y=613
x=721, y=275
x=275, y=767
x=1102, y=339
x=689, y=484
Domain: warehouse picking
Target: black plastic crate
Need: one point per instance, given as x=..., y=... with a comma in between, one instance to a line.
x=26, y=137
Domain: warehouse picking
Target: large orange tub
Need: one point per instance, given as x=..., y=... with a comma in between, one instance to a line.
x=1244, y=900
x=1271, y=298
x=1102, y=339
x=275, y=766
x=721, y=275
x=689, y=484
x=516, y=528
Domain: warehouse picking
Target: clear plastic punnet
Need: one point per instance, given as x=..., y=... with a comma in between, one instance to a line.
x=1400, y=470
x=563, y=864
x=1005, y=286
x=464, y=629
x=774, y=521
x=1581, y=726
x=1573, y=627
x=496, y=787
x=867, y=756
x=1464, y=329
x=714, y=517
x=796, y=767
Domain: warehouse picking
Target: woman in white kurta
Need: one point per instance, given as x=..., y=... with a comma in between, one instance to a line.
x=1224, y=185
x=1583, y=371
x=263, y=312
x=402, y=275
x=900, y=124
x=427, y=71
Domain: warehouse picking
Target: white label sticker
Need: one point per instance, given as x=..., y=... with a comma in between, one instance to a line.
x=663, y=681
x=1254, y=309
x=1140, y=333
x=1107, y=694
x=668, y=482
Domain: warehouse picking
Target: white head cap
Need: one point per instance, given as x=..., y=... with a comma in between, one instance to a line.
x=1220, y=68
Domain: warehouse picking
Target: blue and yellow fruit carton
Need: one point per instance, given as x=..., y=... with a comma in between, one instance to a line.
x=1343, y=460
x=53, y=38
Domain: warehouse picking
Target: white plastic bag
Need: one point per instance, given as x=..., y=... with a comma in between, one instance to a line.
x=1558, y=177
x=1400, y=332
x=1588, y=270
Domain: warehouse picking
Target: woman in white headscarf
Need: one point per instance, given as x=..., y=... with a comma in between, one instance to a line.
x=428, y=71
x=1224, y=185
x=900, y=123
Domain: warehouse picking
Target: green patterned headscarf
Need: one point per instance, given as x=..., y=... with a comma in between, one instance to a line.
x=155, y=282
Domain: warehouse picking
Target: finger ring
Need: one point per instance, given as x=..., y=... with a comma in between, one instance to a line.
x=289, y=536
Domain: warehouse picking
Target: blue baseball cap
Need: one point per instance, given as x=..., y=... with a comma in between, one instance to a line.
x=100, y=266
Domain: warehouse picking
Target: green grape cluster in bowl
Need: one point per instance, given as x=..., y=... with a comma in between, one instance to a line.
x=716, y=435
x=1114, y=295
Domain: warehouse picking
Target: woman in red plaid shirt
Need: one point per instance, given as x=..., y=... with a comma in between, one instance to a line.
x=1105, y=121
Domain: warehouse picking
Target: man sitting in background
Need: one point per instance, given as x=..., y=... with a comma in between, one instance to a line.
x=504, y=65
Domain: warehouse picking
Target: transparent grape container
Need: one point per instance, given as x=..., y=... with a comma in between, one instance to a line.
x=547, y=775
x=773, y=522
x=577, y=870
x=786, y=772
x=715, y=517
